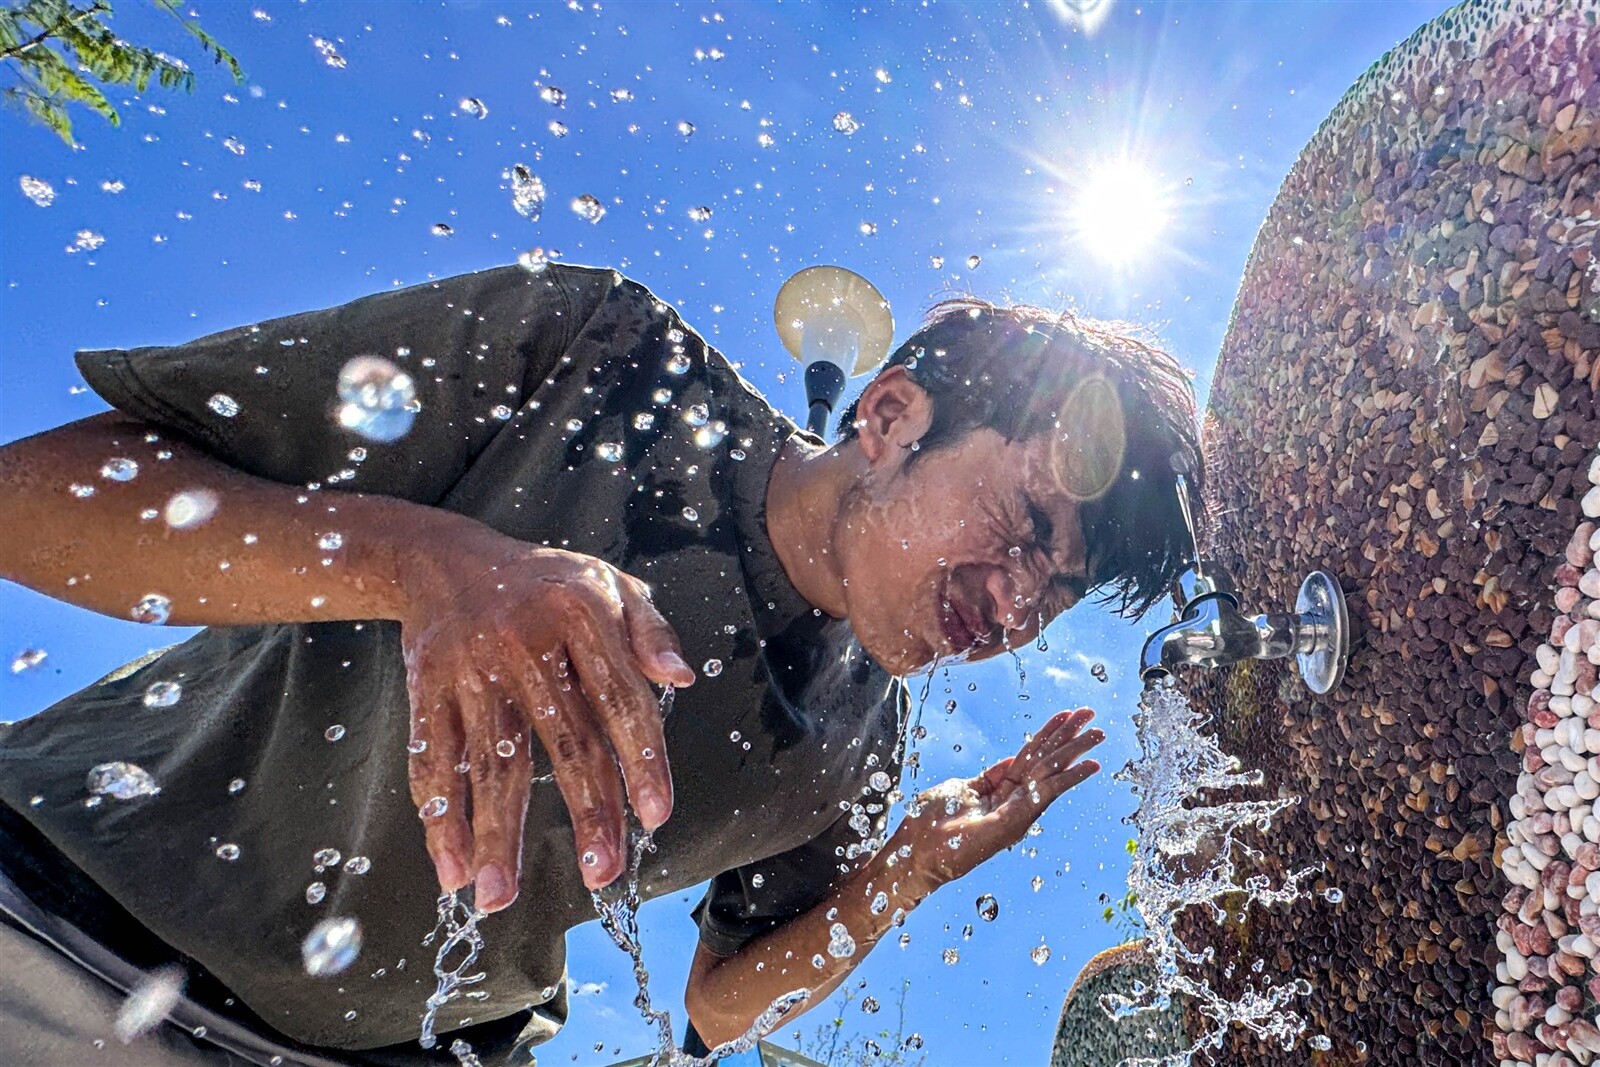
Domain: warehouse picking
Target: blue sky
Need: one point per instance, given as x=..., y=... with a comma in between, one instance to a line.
x=984, y=130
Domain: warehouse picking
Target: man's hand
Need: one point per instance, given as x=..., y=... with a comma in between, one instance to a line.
x=507, y=642
x=962, y=822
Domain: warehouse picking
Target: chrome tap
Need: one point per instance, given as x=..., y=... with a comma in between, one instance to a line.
x=1208, y=629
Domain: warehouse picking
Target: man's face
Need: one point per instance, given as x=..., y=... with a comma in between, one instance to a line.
x=967, y=551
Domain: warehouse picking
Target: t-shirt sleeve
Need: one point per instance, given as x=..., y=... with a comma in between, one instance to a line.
x=265, y=398
x=749, y=901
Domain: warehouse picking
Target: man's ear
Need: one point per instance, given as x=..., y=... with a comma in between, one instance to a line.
x=892, y=413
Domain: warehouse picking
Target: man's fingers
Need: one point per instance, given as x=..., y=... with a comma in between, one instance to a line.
x=629, y=714
x=437, y=789
x=497, y=752
x=585, y=773
x=655, y=643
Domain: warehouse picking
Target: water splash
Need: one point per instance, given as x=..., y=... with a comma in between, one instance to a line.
x=618, y=908
x=1185, y=857
x=458, y=921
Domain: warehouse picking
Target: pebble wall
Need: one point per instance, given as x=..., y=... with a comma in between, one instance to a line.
x=1407, y=398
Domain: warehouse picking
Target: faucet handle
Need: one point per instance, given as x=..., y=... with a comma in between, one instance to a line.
x=1205, y=578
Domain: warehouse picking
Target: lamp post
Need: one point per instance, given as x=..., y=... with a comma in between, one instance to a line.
x=837, y=325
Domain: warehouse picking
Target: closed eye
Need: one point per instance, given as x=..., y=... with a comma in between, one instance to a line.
x=1043, y=529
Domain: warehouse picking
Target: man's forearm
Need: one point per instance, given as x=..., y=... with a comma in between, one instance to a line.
x=219, y=546
x=726, y=996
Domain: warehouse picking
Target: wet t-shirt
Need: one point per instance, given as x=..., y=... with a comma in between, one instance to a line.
x=568, y=407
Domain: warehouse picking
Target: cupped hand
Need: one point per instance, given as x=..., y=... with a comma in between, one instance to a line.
x=511, y=642
x=964, y=821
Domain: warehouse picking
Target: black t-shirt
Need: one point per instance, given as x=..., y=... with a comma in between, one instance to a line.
x=772, y=758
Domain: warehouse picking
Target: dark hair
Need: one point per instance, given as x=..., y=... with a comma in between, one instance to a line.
x=1012, y=367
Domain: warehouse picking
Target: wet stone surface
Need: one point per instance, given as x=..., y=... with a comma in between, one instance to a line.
x=1406, y=398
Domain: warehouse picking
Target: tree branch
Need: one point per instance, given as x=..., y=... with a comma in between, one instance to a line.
x=61, y=23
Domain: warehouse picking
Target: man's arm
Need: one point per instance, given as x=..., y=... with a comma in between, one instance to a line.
x=223, y=547
x=948, y=832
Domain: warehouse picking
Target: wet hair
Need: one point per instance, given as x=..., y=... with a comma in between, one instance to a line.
x=1012, y=367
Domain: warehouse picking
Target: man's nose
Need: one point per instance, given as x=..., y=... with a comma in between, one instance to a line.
x=1012, y=609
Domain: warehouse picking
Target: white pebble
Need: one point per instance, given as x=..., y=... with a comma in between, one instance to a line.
x=1540, y=679
x=1594, y=470
x=1516, y=965
x=1571, y=760
x=1589, y=584
x=1591, y=499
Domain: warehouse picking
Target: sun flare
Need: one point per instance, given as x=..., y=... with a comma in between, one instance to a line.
x=1119, y=213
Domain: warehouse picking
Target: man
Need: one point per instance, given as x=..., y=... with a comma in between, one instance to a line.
x=588, y=501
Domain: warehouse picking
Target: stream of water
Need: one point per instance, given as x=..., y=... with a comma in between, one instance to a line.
x=1185, y=857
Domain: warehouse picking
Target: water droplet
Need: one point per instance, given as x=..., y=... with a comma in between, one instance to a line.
x=123, y=781
x=443, y=229
x=379, y=400
x=1320, y=1042
x=417, y=747
x=737, y=455
x=648, y=753
x=163, y=694
x=330, y=542
x=988, y=908
x=735, y=736
x=120, y=469
x=331, y=946
x=190, y=508
x=471, y=105
x=228, y=852
x=1040, y=954
x=435, y=807
x=589, y=859
x=697, y=414
x=610, y=451
x=505, y=748
x=148, y=1002
x=973, y=261
x=334, y=732
x=236, y=787
x=677, y=363
x=326, y=857
x=330, y=55
x=881, y=782
x=41, y=192
x=691, y=514
x=868, y=228
x=880, y=904
x=950, y=955
x=152, y=608
x=1333, y=896
x=685, y=128
x=357, y=865
x=551, y=95
x=527, y=194
x=1037, y=882
x=712, y=668
x=621, y=96
x=27, y=659
x=845, y=123
x=316, y=892
x=223, y=405
x=662, y=396
x=86, y=241
x=841, y=946
x=711, y=435
x=588, y=208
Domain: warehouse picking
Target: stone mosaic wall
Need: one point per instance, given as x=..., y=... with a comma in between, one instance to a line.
x=1406, y=398
x=1085, y=1037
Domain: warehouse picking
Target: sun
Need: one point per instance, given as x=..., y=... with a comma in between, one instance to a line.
x=1118, y=212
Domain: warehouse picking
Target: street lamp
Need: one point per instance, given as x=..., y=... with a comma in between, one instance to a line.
x=837, y=325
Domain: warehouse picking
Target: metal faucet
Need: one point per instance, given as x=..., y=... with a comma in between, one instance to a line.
x=1208, y=630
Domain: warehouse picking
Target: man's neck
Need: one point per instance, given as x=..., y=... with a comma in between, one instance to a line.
x=803, y=497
